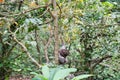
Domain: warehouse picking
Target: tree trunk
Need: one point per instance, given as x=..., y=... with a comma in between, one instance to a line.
x=55, y=31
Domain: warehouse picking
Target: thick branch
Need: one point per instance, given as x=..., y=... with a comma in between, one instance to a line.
x=26, y=51
x=56, y=47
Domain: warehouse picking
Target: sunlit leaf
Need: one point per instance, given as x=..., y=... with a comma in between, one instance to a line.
x=81, y=77
x=45, y=71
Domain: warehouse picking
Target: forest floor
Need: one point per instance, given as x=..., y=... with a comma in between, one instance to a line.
x=17, y=77
x=20, y=78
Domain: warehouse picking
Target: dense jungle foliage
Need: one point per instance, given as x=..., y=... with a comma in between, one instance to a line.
x=33, y=31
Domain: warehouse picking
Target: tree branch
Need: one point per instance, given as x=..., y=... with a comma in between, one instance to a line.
x=37, y=46
x=48, y=21
x=46, y=46
x=98, y=61
x=56, y=47
x=26, y=51
x=26, y=11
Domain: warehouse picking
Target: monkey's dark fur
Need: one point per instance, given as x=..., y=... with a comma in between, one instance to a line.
x=63, y=53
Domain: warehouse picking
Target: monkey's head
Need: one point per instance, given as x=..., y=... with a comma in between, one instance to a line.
x=63, y=51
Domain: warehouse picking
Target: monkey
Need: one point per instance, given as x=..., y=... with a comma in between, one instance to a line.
x=63, y=53
x=62, y=60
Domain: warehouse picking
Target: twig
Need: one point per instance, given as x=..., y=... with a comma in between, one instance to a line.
x=6, y=10
x=26, y=11
x=106, y=65
x=8, y=53
x=44, y=6
x=37, y=41
x=59, y=9
x=98, y=61
x=61, y=39
x=37, y=46
x=44, y=13
x=51, y=13
x=45, y=22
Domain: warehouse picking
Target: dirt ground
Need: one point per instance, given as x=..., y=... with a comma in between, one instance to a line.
x=18, y=77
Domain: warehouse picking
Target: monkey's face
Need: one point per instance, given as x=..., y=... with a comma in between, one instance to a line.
x=64, y=52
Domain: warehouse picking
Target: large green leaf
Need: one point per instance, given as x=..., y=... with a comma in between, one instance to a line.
x=53, y=72
x=38, y=76
x=81, y=77
x=61, y=74
x=45, y=71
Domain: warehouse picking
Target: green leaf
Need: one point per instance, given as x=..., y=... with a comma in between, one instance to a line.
x=38, y=76
x=108, y=4
x=53, y=72
x=45, y=71
x=61, y=74
x=34, y=73
x=1, y=65
x=81, y=77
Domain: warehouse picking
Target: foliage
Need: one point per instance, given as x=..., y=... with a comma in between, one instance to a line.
x=81, y=77
x=53, y=74
x=89, y=28
x=56, y=74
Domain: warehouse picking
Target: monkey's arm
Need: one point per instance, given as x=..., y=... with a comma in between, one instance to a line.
x=61, y=59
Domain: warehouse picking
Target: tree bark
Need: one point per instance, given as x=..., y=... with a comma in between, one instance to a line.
x=55, y=31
